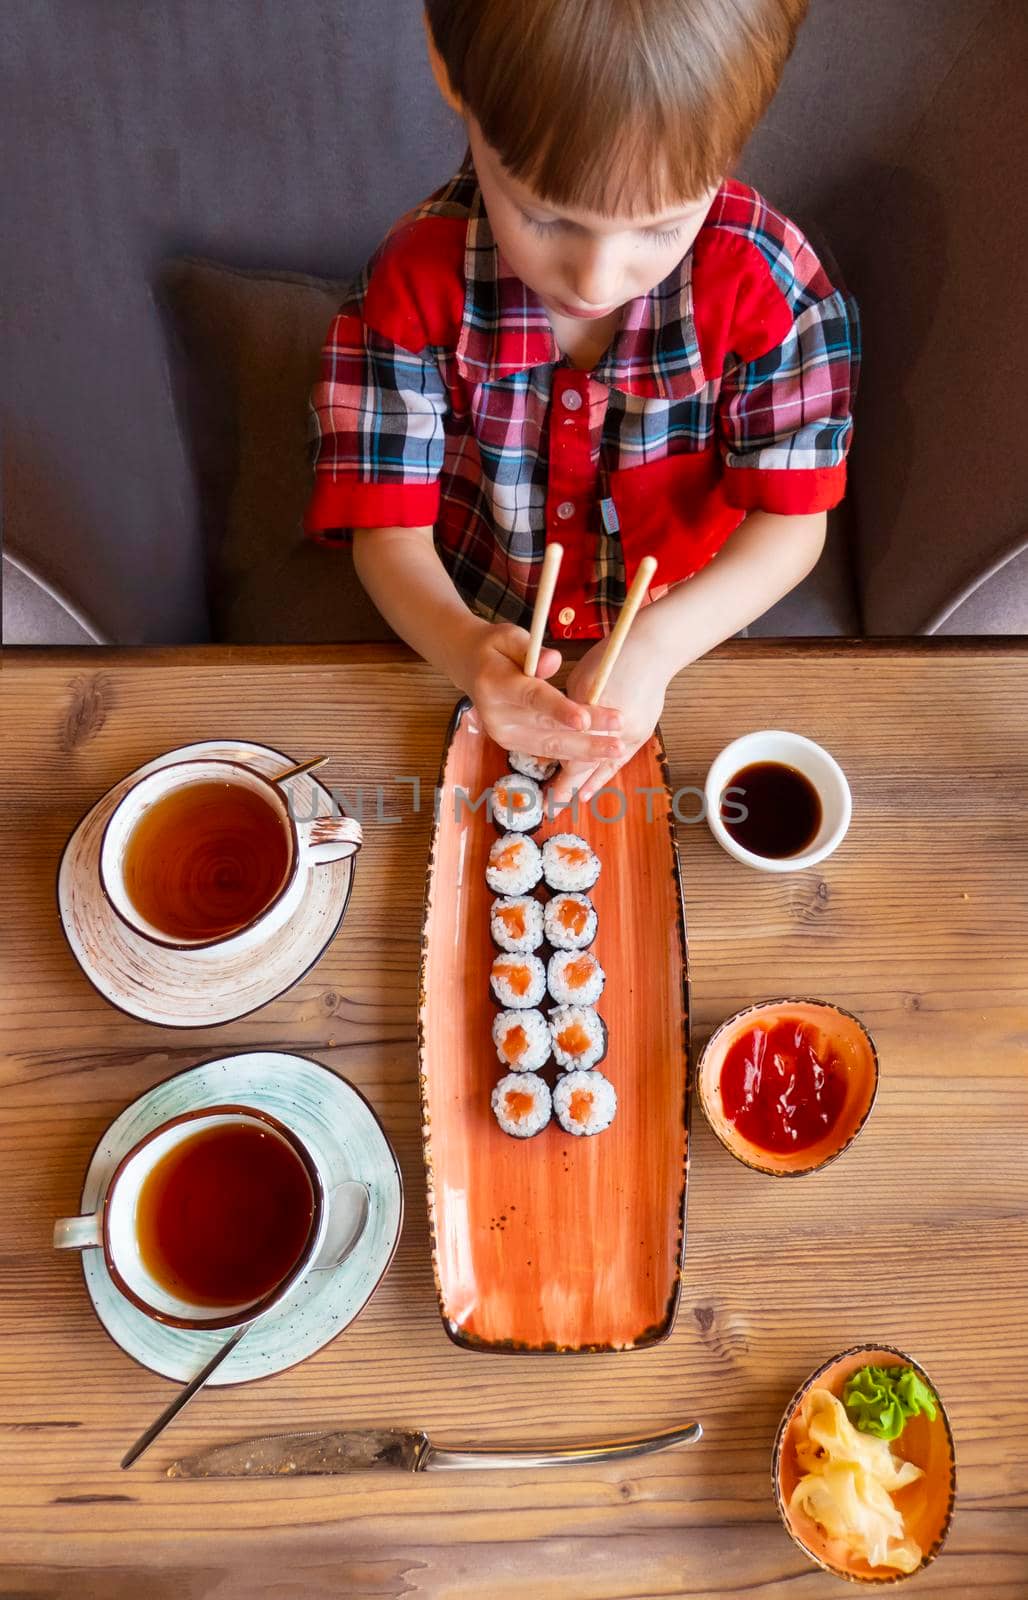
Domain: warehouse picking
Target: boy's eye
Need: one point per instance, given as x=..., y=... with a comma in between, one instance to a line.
x=658, y=235
x=541, y=227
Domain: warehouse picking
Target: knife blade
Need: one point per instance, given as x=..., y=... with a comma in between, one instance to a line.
x=323, y=1453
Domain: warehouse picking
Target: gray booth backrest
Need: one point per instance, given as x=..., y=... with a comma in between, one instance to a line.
x=290, y=136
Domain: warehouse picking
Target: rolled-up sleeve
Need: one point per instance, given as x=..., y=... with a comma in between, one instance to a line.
x=785, y=416
x=377, y=416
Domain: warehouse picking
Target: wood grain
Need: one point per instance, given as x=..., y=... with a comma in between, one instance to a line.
x=917, y=1237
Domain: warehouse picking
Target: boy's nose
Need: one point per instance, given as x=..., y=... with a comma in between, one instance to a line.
x=595, y=280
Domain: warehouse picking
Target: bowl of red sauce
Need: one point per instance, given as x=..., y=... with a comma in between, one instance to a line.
x=786, y=1085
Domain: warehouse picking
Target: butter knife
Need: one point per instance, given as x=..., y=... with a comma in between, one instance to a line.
x=305, y=1455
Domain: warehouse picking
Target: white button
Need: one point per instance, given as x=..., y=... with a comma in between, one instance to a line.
x=566, y=615
x=571, y=400
x=566, y=509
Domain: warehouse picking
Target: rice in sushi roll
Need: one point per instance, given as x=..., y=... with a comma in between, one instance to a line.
x=518, y=981
x=516, y=803
x=522, y=1040
x=574, y=978
x=533, y=767
x=521, y=1104
x=579, y=1037
x=516, y=924
x=570, y=921
x=569, y=865
x=515, y=865
x=585, y=1102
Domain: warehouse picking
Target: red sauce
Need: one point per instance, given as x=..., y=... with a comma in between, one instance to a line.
x=778, y=1090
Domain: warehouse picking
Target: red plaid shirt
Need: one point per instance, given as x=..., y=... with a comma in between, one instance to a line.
x=444, y=401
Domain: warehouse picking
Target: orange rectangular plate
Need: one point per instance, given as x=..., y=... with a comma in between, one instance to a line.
x=557, y=1242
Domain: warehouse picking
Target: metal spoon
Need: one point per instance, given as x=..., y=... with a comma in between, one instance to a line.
x=362, y=1200
x=300, y=766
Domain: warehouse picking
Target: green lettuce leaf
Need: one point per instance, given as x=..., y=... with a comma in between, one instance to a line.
x=879, y=1400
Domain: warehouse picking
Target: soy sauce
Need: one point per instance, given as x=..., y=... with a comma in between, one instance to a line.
x=225, y=1215
x=771, y=810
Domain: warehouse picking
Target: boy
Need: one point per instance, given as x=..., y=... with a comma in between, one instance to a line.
x=588, y=335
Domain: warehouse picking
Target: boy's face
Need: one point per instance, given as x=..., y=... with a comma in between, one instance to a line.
x=579, y=264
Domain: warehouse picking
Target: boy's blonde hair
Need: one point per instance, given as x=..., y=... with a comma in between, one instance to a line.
x=615, y=106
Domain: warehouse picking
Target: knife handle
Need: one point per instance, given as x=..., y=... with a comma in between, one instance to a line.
x=438, y=1458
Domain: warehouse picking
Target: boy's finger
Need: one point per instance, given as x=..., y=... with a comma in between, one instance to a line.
x=604, y=719
x=600, y=778
x=549, y=663
x=562, y=745
x=549, y=707
x=569, y=781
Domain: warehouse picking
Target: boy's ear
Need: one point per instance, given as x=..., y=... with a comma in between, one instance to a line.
x=439, y=72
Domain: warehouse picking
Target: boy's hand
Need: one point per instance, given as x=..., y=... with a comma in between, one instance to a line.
x=529, y=714
x=636, y=688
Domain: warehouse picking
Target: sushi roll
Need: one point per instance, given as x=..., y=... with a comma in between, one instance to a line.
x=570, y=921
x=518, y=981
x=574, y=978
x=515, y=865
x=522, y=1104
x=533, y=767
x=522, y=1040
x=585, y=1102
x=579, y=1037
x=516, y=924
x=516, y=803
x=569, y=865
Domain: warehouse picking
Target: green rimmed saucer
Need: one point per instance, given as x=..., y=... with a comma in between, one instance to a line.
x=335, y=1120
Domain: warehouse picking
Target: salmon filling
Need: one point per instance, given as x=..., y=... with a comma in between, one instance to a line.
x=519, y=978
x=513, y=919
x=507, y=859
x=513, y=799
x=518, y=1105
x=574, y=1041
x=580, y=1106
x=573, y=854
x=577, y=973
x=573, y=916
x=515, y=1043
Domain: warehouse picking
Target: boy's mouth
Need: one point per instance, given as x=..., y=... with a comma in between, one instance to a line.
x=587, y=315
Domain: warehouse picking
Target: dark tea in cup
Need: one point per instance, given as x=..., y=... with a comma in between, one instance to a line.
x=207, y=858
x=225, y=1215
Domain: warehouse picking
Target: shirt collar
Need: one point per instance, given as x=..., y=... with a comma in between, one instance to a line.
x=655, y=353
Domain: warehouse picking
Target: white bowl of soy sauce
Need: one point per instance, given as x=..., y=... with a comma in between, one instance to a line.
x=777, y=801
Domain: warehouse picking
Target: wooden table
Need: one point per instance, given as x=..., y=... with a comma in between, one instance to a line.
x=919, y=1237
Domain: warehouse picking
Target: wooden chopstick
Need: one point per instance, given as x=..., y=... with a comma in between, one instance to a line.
x=543, y=599
x=626, y=616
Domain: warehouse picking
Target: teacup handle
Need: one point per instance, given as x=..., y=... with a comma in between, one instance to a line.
x=78, y=1233
x=331, y=838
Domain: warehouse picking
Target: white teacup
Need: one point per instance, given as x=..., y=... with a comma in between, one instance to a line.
x=310, y=843
x=113, y=1227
